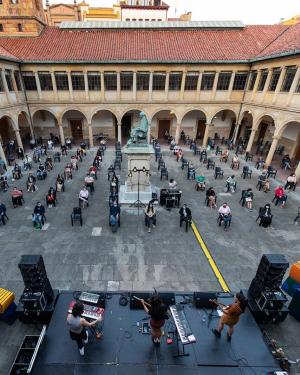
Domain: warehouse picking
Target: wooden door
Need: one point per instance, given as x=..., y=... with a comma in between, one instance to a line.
x=263, y=129
x=163, y=126
x=76, y=129
x=126, y=127
x=200, y=129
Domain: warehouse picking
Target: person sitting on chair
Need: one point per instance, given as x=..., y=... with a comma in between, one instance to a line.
x=249, y=199
x=59, y=183
x=49, y=164
x=231, y=184
x=235, y=162
x=38, y=215
x=17, y=197
x=211, y=198
x=280, y=196
x=179, y=155
x=297, y=217
x=114, y=213
x=150, y=216
x=89, y=183
x=114, y=182
x=191, y=173
x=31, y=183
x=17, y=172
x=93, y=172
x=260, y=163
x=224, y=215
x=83, y=197
x=224, y=155
x=68, y=172
x=113, y=196
x=172, y=184
x=172, y=144
x=291, y=181
x=51, y=197
x=74, y=163
x=185, y=215
x=3, y=213
x=200, y=183
x=286, y=162
x=264, y=182
x=265, y=216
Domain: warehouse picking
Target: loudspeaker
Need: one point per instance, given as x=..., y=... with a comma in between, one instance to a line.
x=269, y=274
x=201, y=300
x=266, y=316
x=134, y=304
x=167, y=298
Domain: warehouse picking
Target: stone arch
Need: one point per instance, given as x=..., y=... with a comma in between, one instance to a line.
x=44, y=122
x=289, y=137
x=135, y=109
x=224, y=122
x=33, y=112
x=193, y=123
x=157, y=110
x=24, y=125
x=8, y=129
x=163, y=120
x=104, y=122
x=75, y=125
x=244, y=127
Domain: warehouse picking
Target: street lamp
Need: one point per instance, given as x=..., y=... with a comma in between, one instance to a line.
x=138, y=203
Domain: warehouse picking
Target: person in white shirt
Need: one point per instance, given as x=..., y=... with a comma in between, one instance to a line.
x=291, y=181
x=172, y=184
x=224, y=215
x=89, y=183
x=83, y=197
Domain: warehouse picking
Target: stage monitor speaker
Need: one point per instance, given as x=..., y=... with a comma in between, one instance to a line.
x=201, y=300
x=267, y=316
x=167, y=298
x=134, y=304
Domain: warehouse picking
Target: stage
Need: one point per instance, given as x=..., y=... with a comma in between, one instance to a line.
x=125, y=350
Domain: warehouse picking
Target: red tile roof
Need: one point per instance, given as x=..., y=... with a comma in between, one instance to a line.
x=6, y=55
x=153, y=45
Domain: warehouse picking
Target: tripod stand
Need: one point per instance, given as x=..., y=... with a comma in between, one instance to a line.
x=138, y=203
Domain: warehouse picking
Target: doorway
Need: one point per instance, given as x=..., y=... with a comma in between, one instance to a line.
x=76, y=129
x=262, y=132
x=126, y=127
x=200, y=129
x=163, y=127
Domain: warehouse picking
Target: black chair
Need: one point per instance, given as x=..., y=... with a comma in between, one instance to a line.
x=164, y=173
x=248, y=156
x=210, y=164
x=117, y=163
x=119, y=155
x=158, y=155
x=110, y=172
x=191, y=174
x=218, y=172
x=56, y=157
x=218, y=150
x=197, y=151
x=247, y=172
x=76, y=215
x=260, y=183
x=243, y=198
x=203, y=156
x=184, y=163
x=271, y=172
x=161, y=164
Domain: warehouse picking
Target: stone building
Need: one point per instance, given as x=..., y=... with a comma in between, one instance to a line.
x=201, y=77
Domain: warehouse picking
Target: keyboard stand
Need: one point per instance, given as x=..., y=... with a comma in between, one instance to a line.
x=177, y=338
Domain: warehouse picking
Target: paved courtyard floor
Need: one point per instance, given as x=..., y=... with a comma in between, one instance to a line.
x=91, y=257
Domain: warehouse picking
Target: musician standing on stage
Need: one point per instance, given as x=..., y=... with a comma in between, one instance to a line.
x=78, y=325
x=158, y=313
x=231, y=315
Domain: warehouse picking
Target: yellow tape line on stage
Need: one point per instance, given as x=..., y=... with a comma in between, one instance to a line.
x=210, y=259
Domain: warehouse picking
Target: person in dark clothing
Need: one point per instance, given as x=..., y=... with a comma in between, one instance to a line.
x=3, y=213
x=114, y=213
x=265, y=216
x=38, y=215
x=31, y=183
x=185, y=215
x=20, y=153
x=211, y=198
x=297, y=217
x=158, y=314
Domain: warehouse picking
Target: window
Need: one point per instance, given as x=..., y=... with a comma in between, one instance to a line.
x=110, y=81
x=45, y=81
x=94, y=81
x=9, y=80
x=159, y=81
x=20, y=27
x=142, y=81
x=240, y=80
x=14, y=1
x=175, y=79
x=126, y=81
x=1, y=27
x=127, y=19
x=191, y=81
x=262, y=81
x=288, y=78
x=253, y=76
x=61, y=79
x=298, y=87
x=223, y=81
x=1, y=85
x=207, y=82
x=274, y=79
x=29, y=81
x=77, y=81
x=18, y=80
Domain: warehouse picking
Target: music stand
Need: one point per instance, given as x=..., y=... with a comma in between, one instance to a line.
x=138, y=203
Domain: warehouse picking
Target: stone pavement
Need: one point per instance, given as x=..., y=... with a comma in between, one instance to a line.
x=91, y=257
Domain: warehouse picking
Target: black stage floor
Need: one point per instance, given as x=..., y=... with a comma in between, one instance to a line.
x=124, y=350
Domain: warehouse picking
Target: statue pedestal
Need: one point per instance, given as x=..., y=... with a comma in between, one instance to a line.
x=139, y=156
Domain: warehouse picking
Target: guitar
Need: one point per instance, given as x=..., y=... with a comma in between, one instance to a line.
x=221, y=305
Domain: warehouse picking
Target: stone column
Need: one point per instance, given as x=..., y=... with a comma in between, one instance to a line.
x=54, y=86
x=279, y=83
x=118, y=86
x=266, y=88
x=297, y=171
x=251, y=140
x=293, y=87
x=38, y=86
x=231, y=84
x=199, y=85
x=120, y=132
x=2, y=154
x=214, y=90
x=102, y=94
x=254, y=91
x=272, y=150
x=61, y=134
x=91, y=138
x=70, y=86
x=5, y=86
x=18, y=138
x=15, y=86
x=86, y=87
x=167, y=86
x=150, y=87
x=134, y=86
x=206, y=133
x=235, y=134
x=182, y=86
x=149, y=133
x=177, y=133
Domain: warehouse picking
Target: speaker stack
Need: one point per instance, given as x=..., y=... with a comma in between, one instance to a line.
x=266, y=300
x=38, y=293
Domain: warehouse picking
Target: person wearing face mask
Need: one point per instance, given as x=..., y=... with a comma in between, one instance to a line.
x=38, y=215
x=185, y=216
x=150, y=216
x=265, y=216
x=224, y=215
x=114, y=214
